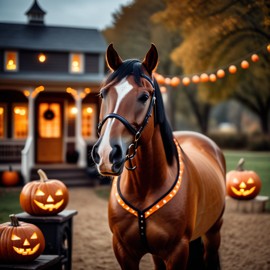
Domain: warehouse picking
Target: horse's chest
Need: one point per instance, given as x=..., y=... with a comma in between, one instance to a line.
x=156, y=231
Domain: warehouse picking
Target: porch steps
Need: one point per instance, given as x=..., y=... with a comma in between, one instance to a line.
x=71, y=176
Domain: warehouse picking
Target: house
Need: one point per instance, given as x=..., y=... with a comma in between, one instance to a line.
x=49, y=80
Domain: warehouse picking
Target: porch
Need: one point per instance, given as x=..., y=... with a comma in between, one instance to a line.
x=15, y=153
x=55, y=132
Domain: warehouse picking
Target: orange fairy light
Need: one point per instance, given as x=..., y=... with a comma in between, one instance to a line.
x=244, y=64
x=160, y=79
x=232, y=69
x=167, y=81
x=175, y=81
x=220, y=73
x=186, y=81
x=204, y=77
x=268, y=47
x=212, y=77
x=195, y=79
x=254, y=57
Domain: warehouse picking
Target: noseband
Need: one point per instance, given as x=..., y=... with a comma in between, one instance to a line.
x=132, y=149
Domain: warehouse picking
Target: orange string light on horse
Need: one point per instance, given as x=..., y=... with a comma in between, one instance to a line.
x=169, y=187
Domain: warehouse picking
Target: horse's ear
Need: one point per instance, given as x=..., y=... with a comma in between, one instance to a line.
x=112, y=58
x=151, y=59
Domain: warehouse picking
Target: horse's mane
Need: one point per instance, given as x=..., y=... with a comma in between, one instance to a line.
x=134, y=67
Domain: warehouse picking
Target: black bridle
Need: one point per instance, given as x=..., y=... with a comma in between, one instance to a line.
x=132, y=149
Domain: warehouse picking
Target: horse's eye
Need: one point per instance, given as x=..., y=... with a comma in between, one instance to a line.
x=101, y=94
x=143, y=98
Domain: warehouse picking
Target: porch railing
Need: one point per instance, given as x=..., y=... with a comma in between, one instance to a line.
x=10, y=151
x=27, y=159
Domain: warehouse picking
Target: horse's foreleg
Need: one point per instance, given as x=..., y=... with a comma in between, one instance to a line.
x=178, y=258
x=124, y=258
x=212, y=243
x=159, y=263
x=196, y=255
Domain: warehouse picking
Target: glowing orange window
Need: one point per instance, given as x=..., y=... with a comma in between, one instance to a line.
x=76, y=63
x=11, y=61
x=20, y=117
x=49, y=120
x=88, y=116
x=2, y=122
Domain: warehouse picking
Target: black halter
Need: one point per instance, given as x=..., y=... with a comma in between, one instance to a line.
x=132, y=149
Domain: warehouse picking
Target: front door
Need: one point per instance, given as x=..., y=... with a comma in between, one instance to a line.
x=50, y=137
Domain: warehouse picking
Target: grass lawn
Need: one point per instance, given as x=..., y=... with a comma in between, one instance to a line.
x=9, y=203
x=256, y=161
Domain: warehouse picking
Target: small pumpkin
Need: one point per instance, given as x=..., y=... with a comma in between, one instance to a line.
x=44, y=196
x=10, y=178
x=242, y=184
x=20, y=241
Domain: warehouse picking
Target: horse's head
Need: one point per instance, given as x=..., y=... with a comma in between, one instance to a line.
x=128, y=97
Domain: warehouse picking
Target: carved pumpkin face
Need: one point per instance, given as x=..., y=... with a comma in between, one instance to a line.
x=44, y=197
x=22, y=242
x=51, y=200
x=243, y=185
x=25, y=246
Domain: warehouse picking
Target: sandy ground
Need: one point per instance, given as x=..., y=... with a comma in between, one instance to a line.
x=245, y=236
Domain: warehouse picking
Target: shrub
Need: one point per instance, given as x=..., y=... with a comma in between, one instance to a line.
x=229, y=140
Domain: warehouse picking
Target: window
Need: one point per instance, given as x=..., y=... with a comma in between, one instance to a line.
x=76, y=63
x=20, y=121
x=88, y=120
x=2, y=121
x=11, y=61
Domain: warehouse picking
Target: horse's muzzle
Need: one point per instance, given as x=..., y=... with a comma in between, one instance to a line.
x=111, y=164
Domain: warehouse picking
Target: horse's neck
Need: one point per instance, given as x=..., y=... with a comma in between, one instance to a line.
x=153, y=175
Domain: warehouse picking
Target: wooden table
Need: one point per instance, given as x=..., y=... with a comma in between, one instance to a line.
x=43, y=262
x=57, y=231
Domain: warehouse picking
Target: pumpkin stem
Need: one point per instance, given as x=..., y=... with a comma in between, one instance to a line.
x=42, y=175
x=240, y=164
x=10, y=168
x=14, y=221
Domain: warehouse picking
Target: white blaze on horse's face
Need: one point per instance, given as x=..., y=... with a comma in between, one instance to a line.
x=122, y=89
x=105, y=146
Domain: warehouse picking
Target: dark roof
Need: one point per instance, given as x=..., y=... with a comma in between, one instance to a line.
x=36, y=9
x=51, y=38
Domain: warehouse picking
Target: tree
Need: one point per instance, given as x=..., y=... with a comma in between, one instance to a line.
x=217, y=33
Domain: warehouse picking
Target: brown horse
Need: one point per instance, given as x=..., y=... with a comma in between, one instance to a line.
x=168, y=188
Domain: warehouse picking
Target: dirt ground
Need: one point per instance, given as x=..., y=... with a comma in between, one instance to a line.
x=245, y=236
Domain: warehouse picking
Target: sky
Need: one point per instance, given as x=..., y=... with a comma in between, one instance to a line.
x=78, y=13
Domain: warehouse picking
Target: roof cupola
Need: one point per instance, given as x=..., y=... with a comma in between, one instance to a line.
x=35, y=14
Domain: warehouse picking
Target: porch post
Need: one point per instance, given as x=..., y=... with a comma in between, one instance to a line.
x=31, y=101
x=27, y=158
x=79, y=141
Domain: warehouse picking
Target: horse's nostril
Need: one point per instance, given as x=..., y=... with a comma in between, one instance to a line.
x=116, y=167
x=95, y=155
x=116, y=154
x=116, y=158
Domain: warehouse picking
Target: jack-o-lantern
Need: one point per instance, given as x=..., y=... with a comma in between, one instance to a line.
x=242, y=184
x=44, y=196
x=20, y=241
x=10, y=177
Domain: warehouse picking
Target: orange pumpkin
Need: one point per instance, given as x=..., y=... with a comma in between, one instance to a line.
x=10, y=178
x=44, y=196
x=242, y=184
x=20, y=241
